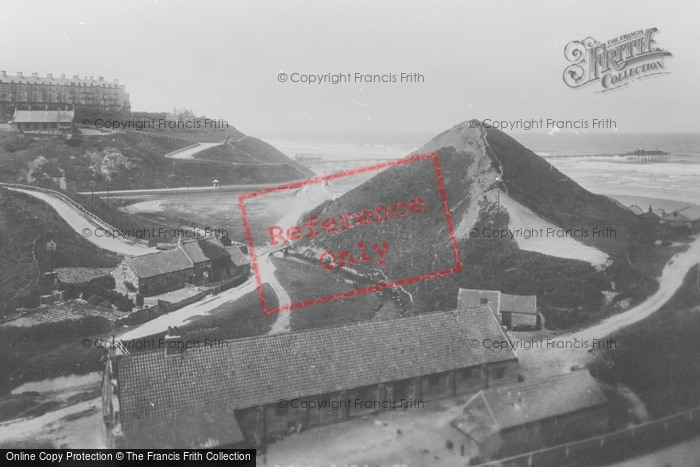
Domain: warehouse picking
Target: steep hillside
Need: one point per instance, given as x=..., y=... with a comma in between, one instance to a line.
x=26, y=225
x=134, y=160
x=494, y=183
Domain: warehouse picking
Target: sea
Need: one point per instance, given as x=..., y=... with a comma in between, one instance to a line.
x=669, y=185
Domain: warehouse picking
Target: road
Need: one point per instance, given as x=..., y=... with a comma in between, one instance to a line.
x=282, y=324
x=303, y=200
x=670, y=281
x=82, y=224
x=184, y=314
x=542, y=362
x=190, y=152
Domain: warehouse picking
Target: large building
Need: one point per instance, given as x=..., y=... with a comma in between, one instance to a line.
x=223, y=395
x=20, y=90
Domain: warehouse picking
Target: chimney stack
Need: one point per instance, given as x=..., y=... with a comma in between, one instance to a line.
x=50, y=76
x=76, y=76
x=63, y=76
x=3, y=74
x=173, y=344
x=101, y=78
x=19, y=74
x=35, y=75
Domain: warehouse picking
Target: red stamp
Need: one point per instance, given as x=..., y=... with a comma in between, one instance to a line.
x=353, y=224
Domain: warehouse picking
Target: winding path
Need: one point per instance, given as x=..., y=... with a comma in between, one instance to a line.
x=188, y=153
x=543, y=361
x=89, y=227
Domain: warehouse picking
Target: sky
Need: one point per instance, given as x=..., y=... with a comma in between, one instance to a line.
x=498, y=60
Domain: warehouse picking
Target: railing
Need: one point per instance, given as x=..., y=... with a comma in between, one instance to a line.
x=613, y=446
x=67, y=200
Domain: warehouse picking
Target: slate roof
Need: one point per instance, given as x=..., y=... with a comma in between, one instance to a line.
x=500, y=301
x=530, y=401
x=155, y=264
x=237, y=256
x=472, y=297
x=636, y=209
x=203, y=386
x=201, y=250
x=43, y=116
x=688, y=213
x=80, y=275
x=519, y=303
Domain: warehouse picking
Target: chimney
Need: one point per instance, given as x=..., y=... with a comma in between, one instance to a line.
x=63, y=76
x=3, y=74
x=650, y=208
x=19, y=74
x=101, y=78
x=173, y=344
x=76, y=76
x=92, y=79
x=35, y=75
x=50, y=76
x=116, y=81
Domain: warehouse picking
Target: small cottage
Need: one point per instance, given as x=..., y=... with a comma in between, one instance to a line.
x=195, y=261
x=512, y=311
x=507, y=420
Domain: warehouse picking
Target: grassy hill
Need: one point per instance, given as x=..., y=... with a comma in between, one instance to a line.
x=135, y=160
x=26, y=225
x=474, y=164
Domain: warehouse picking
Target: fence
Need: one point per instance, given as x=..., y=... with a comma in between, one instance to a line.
x=613, y=446
x=72, y=203
x=209, y=137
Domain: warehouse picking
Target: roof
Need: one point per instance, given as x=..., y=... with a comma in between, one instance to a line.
x=43, y=116
x=636, y=209
x=531, y=401
x=57, y=80
x=472, y=297
x=501, y=301
x=155, y=264
x=204, y=249
x=519, y=303
x=649, y=215
x=688, y=213
x=158, y=390
x=80, y=275
x=238, y=258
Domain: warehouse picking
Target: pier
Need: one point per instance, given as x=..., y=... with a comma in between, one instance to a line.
x=618, y=158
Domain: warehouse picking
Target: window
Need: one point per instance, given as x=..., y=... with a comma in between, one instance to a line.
x=484, y=301
x=467, y=373
x=500, y=373
x=434, y=380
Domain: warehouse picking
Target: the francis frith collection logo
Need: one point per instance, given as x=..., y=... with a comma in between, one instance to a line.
x=615, y=63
